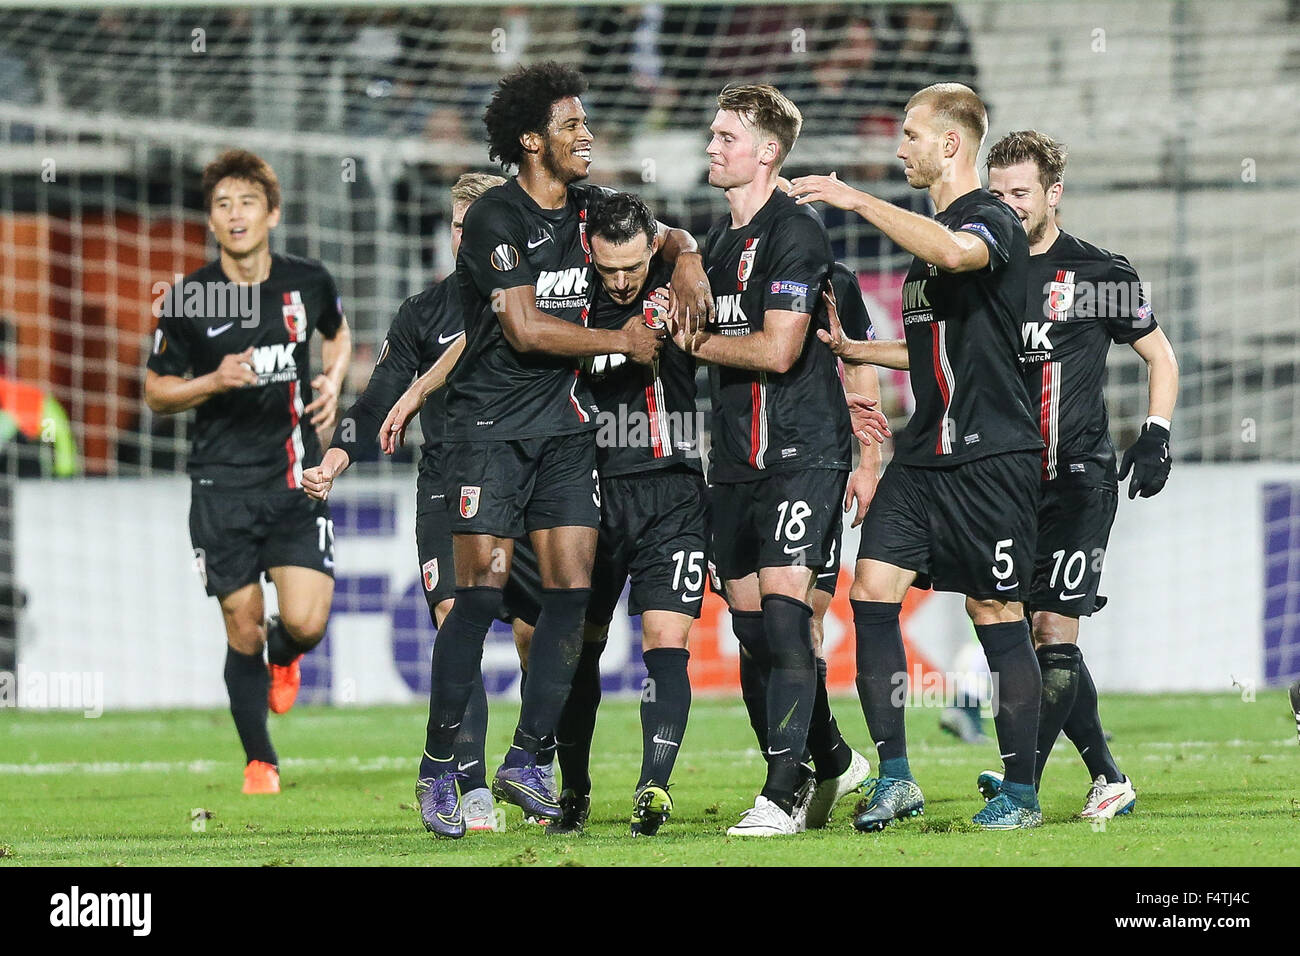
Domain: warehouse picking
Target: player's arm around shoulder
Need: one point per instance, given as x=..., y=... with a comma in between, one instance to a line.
x=689, y=283
x=528, y=329
x=927, y=239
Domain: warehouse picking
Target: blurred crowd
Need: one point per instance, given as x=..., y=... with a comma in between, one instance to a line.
x=409, y=72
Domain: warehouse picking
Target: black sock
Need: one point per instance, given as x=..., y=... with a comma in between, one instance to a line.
x=471, y=738
x=546, y=752
x=1019, y=687
x=552, y=660
x=830, y=754
x=455, y=669
x=755, y=664
x=664, y=710
x=1059, y=664
x=1083, y=727
x=247, y=683
x=882, y=664
x=280, y=647
x=791, y=687
x=578, y=721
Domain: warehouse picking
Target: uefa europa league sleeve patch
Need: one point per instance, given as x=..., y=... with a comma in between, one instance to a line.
x=505, y=257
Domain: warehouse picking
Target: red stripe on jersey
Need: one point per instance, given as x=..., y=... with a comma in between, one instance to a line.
x=939, y=377
x=756, y=398
x=573, y=400
x=293, y=427
x=1045, y=418
x=653, y=410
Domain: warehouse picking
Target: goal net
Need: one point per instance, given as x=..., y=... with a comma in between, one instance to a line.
x=1180, y=120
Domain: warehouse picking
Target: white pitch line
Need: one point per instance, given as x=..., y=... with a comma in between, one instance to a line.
x=737, y=757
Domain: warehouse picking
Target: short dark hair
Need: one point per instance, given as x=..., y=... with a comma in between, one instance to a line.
x=522, y=104
x=620, y=217
x=1030, y=146
x=241, y=164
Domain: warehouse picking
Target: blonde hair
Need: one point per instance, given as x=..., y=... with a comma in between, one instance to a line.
x=766, y=109
x=956, y=104
x=472, y=185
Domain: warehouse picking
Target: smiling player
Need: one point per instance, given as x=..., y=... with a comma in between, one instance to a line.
x=1080, y=300
x=253, y=388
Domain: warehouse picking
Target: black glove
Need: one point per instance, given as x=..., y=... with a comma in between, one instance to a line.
x=1149, y=459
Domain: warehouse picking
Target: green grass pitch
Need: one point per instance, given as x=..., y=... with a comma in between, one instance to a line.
x=1216, y=778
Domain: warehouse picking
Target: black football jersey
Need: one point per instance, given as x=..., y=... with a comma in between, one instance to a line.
x=426, y=325
x=497, y=393
x=1081, y=299
x=647, y=412
x=253, y=437
x=963, y=345
x=854, y=318
x=764, y=421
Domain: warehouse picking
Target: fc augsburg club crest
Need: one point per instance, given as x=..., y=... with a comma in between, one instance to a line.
x=430, y=574
x=469, y=500
x=295, y=316
x=1060, y=295
x=746, y=267
x=654, y=315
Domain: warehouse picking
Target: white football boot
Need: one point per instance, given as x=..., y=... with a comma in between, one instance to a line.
x=764, y=819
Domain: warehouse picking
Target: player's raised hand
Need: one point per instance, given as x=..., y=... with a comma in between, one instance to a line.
x=690, y=287
x=861, y=489
x=835, y=337
x=827, y=189
x=324, y=408
x=236, y=370
x=869, y=423
x=643, y=342
x=392, y=433
x=1149, y=460
x=318, y=481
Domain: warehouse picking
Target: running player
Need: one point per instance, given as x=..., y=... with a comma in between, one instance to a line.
x=247, y=345
x=957, y=507
x=427, y=326
x=518, y=439
x=781, y=452
x=1080, y=300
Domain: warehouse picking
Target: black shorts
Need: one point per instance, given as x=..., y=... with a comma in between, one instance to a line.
x=1075, y=515
x=970, y=528
x=509, y=488
x=654, y=529
x=788, y=518
x=433, y=541
x=238, y=535
x=829, y=575
x=522, y=597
